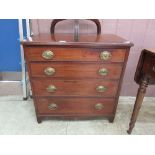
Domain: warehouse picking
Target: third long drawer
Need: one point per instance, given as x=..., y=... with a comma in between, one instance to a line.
x=85, y=87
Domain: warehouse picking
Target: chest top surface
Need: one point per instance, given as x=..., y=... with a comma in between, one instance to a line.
x=81, y=40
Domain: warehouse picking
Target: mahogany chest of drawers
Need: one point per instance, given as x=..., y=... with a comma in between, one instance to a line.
x=76, y=79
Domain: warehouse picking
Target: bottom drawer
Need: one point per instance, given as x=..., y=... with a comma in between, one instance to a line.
x=75, y=106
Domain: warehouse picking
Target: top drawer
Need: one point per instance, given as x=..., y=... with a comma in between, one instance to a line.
x=48, y=53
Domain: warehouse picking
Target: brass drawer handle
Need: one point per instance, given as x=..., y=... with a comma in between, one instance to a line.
x=51, y=88
x=99, y=106
x=103, y=71
x=52, y=106
x=49, y=71
x=47, y=54
x=101, y=89
x=105, y=55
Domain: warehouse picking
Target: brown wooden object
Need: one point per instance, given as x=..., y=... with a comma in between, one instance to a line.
x=76, y=79
x=55, y=21
x=145, y=74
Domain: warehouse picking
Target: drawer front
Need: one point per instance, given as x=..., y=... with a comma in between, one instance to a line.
x=74, y=54
x=46, y=87
x=75, y=106
x=76, y=70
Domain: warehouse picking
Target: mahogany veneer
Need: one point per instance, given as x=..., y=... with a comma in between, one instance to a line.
x=80, y=106
x=76, y=79
x=74, y=70
x=79, y=88
x=70, y=54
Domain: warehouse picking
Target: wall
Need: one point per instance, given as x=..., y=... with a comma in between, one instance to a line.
x=139, y=31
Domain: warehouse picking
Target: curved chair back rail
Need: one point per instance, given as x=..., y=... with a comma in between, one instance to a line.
x=55, y=21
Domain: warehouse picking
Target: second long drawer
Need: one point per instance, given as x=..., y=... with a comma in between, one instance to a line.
x=93, y=87
x=76, y=70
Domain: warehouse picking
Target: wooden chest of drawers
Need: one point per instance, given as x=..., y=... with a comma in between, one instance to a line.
x=76, y=79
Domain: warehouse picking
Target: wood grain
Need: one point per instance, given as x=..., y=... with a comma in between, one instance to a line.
x=76, y=78
x=76, y=106
x=73, y=54
x=74, y=87
x=74, y=70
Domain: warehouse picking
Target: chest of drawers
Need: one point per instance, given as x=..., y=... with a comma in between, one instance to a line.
x=76, y=79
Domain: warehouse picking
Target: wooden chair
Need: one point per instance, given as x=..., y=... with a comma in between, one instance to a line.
x=76, y=27
x=145, y=75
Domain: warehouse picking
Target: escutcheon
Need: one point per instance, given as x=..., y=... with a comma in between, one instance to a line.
x=101, y=89
x=105, y=55
x=47, y=54
x=99, y=106
x=49, y=71
x=52, y=106
x=103, y=71
x=51, y=88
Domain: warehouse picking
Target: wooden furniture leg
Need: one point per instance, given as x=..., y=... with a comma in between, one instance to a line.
x=111, y=119
x=38, y=120
x=138, y=103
